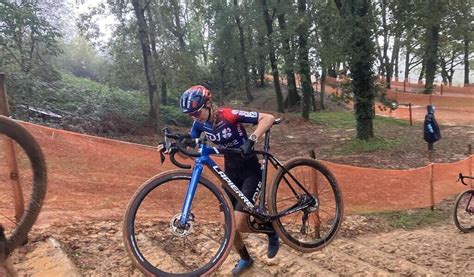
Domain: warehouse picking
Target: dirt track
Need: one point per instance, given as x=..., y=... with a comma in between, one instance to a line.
x=94, y=248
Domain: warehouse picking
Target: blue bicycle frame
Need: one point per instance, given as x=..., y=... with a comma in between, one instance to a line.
x=205, y=160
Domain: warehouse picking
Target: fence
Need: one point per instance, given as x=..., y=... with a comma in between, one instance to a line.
x=87, y=174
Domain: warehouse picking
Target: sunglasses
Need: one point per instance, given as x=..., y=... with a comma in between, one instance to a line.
x=196, y=113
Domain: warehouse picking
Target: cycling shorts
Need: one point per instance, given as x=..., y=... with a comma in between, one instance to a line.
x=246, y=174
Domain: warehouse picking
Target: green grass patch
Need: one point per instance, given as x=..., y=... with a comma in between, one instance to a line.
x=346, y=120
x=334, y=120
x=413, y=219
x=372, y=145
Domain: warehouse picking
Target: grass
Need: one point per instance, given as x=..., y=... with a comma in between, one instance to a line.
x=344, y=121
x=412, y=219
x=372, y=145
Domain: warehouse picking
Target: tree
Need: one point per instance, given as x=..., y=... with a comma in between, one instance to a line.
x=293, y=99
x=432, y=21
x=304, y=59
x=25, y=35
x=273, y=60
x=243, y=55
x=361, y=53
x=144, y=39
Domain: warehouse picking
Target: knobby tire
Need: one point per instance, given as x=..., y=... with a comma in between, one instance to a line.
x=132, y=233
x=30, y=146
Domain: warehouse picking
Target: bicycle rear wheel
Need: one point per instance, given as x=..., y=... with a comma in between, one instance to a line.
x=314, y=227
x=463, y=212
x=32, y=177
x=154, y=242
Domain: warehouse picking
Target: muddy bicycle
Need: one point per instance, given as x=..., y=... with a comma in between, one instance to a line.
x=181, y=223
x=463, y=212
x=18, y=146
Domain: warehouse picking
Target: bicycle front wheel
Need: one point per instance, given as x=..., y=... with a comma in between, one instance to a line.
x=19, y=151
x=314, y=227
x=463, y=212
x=155, y=242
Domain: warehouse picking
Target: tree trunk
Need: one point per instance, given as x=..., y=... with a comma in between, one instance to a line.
x=153, y=33
x=243, y=55
x=361, y=64
x=387, y=64
x=323, y=87
x=332, y=72
x=393, y=62
x=422, y=72
x=293, y=98
x=431, y=44
x=273, y=60
x=261, y=62
x=407, y=64
x=178, y=32
x=444, y=72
x=304, y=59
x=153, y=96
x=466, y=60
x=253, y=64
x=431, y=57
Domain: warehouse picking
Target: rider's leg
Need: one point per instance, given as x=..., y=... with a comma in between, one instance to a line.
x=245, y=261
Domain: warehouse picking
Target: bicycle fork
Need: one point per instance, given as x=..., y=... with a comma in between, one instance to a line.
x=186, y=210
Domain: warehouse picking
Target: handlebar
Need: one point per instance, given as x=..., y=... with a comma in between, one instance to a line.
x=462, y=177
x=181, y=144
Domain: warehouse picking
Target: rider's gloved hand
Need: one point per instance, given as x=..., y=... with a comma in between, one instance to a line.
x=189, y=142
x=247, y=147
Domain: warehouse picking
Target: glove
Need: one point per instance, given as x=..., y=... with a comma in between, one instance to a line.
x=189, y=142
x=247, y=147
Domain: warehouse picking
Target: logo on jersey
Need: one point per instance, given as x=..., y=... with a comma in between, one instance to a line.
x=226, y=133
x=244, y=113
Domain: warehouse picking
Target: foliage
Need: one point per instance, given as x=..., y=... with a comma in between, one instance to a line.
x=85, y=105
x=346, y=94
x=82, y=60
x=27, y=39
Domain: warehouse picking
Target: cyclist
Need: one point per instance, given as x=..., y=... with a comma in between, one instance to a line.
x=223, y=126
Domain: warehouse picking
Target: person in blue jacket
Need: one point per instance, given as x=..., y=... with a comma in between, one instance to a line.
x=224, y=127
x=431, y=131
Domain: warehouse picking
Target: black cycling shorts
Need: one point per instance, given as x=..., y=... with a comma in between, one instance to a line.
x=246, y=175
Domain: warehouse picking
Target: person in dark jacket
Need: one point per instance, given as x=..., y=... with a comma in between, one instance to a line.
x=431, y=131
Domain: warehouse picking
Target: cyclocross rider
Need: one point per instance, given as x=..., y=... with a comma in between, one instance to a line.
x=223, y=126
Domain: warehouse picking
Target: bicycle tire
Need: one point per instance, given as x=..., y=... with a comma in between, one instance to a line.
x=286, y=227
x=30, y=146
x=463, y=219
x=134, y=231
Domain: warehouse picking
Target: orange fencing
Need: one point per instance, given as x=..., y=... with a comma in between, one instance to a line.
x=95, y=177
x=454, y=106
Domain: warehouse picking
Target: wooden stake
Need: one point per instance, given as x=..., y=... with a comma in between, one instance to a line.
x=10, y=155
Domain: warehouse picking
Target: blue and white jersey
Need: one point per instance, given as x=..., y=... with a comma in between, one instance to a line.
x=228, y=130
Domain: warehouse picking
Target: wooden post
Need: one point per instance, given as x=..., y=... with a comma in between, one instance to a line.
x=404, y=85
x=441, y=92
x=4, y=110
x=314, y=190
x=409, y=111
x=10, y=155
x=430, y=158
